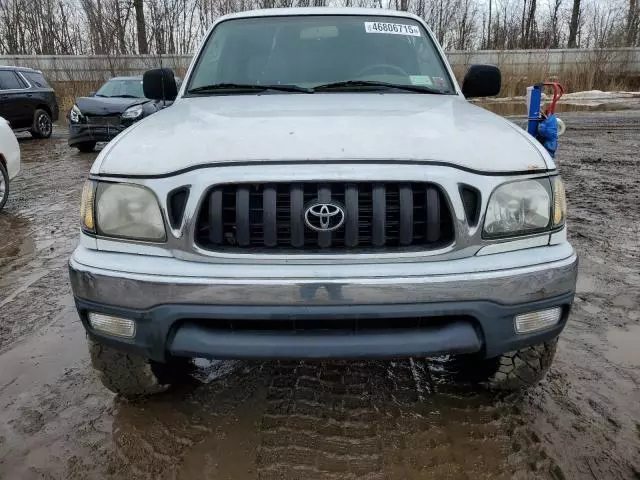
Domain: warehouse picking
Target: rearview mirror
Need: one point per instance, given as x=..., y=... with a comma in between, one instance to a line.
x=159, y=84
x=482, y=81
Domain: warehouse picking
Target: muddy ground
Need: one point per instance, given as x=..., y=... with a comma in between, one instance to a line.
x=338, y=420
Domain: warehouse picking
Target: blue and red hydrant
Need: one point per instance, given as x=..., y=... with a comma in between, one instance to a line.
x=543, y=125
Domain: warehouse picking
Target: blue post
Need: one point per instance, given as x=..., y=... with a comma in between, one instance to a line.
x=534, y=110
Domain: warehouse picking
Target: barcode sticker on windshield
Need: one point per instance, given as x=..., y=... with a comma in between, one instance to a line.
x=392, y=28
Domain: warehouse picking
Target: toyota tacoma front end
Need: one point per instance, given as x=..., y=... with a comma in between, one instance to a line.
x=321, y=188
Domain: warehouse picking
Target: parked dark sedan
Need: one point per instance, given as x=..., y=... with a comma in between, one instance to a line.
x=27, y=101
x=104, y=114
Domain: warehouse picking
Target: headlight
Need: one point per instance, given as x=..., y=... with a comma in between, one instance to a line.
x=519, y=208
x=75, y=114
x=132, y=112
x=559, y=202
x=128, y=211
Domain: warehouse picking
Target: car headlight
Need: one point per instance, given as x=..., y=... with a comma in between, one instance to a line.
x=75, y=114
x=518, y=208
x=122, y=210
x=132, y=112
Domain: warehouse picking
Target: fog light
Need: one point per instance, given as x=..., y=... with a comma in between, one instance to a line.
x=120, y=327
x=534, y=321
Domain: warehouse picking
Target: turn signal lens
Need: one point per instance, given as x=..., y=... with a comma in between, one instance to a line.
x=87, y=207
x=120, y=327
x=559, y=202
x=534, y=321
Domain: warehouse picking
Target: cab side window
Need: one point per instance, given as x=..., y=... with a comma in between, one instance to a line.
x=10, y=81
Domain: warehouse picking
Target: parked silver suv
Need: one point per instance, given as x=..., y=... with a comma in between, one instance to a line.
x=321, y=188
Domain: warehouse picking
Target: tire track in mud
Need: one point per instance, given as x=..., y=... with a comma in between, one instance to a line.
x=319, y=423
x=391, y=420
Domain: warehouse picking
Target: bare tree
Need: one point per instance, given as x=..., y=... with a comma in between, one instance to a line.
x=554, y=41
x=633, y=23
x=116, y=27
x=531, y=19
x=465, y=25
x=141, y=27
x=573, y=26
x=489, y=25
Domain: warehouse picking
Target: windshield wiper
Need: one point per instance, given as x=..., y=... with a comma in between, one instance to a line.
x=216, y=87
x=349, y=84
x=124, y=96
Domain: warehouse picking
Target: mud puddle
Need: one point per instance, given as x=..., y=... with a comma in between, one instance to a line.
x=624, y=346
x=332, y=420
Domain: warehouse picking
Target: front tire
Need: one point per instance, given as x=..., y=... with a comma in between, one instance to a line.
x=86, y=147
x=134, y=376
x=511, y=371
x=42, y=125
x=4, y=186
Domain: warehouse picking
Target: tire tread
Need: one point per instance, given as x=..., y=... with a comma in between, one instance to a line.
x=123, y=373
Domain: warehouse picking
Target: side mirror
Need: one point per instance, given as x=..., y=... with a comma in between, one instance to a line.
x=159, y=84
x=91, y=94
x=482, y=81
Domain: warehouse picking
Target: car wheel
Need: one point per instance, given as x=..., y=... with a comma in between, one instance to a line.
x=86, y=147
x=4, y=185
x=134, y=376
x=42, y=125
x=514, y=370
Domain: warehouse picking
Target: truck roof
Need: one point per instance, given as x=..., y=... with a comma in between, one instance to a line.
x=302, y=11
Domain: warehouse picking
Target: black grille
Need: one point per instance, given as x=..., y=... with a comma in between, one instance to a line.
x=471, y=202
x=176, y=203
x=389, y=215
x=103, y=121
x=343, y=325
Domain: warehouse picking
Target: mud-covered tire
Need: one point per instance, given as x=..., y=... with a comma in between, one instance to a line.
x=86, y=147
x=134, y=376
x=42, y=125
x=511, y=371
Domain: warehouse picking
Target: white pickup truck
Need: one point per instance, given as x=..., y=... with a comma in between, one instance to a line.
x=322, y=188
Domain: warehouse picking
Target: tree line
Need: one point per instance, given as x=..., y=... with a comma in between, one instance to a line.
x=118, y=27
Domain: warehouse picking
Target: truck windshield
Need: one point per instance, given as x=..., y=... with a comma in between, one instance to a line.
x=323, y=52
x=128, y=88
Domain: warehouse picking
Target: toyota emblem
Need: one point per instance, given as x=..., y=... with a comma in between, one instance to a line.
x=324, y=217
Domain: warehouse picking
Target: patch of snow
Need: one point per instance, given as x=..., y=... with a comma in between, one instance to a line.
x=599, y=94
x=590, y=98
x=594, y=98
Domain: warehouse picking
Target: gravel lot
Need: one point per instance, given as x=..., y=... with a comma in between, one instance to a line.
x=335, y=420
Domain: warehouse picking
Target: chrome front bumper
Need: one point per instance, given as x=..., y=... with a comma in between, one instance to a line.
x=469, y=305
x=138, y=282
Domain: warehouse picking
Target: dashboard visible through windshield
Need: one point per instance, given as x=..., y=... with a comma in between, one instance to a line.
x=349, y=52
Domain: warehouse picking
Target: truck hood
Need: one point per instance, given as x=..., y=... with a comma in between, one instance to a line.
x=355, y=127
x=106, y=105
